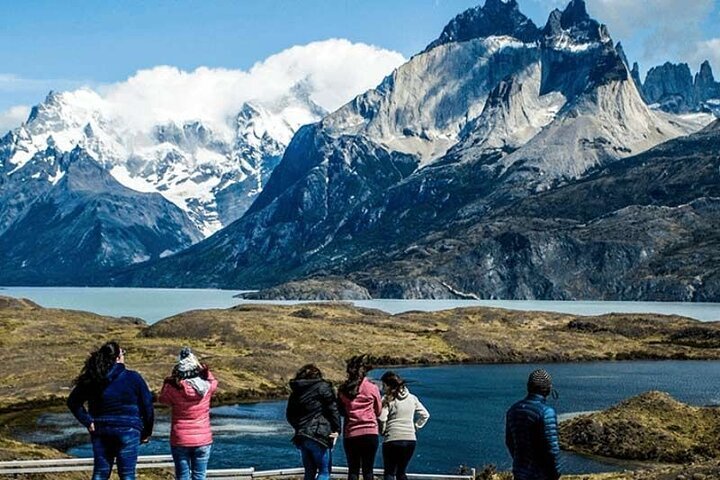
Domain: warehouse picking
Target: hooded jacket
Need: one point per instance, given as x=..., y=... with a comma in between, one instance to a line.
x=190, y=413
x=312, y=411
x=402, y=416
x=531, y=436
x=361, y=412
x=123, y=401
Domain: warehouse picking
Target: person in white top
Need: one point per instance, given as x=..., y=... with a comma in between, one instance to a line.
x=402, y=415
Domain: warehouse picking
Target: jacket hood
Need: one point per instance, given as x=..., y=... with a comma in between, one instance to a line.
x=115, y=371
x=189, y=392
x=303, y=385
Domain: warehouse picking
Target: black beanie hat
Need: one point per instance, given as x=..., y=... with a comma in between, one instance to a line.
x=540, y=382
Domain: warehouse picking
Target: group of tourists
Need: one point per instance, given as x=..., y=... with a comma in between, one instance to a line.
x=116, y=406
x=314, y=411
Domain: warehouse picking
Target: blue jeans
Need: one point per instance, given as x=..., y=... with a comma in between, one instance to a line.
x=120, y=445
x=191, y=462
x=316, y=458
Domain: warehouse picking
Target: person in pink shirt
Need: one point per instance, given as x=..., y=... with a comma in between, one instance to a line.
x=360, y=406
x=188, y=391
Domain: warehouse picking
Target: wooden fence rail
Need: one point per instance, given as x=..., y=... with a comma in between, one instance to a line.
x=65, y=465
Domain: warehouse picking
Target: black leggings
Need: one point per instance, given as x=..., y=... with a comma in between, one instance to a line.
x=396, y=456
x=360, y=452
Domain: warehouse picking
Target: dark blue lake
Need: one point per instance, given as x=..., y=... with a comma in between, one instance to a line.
x=467, y=406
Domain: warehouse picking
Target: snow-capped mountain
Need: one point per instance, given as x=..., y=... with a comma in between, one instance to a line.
x=494, y=110
x=211, y=175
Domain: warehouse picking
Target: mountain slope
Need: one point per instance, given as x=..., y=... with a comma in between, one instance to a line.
x=87, y=222
x=644, y=228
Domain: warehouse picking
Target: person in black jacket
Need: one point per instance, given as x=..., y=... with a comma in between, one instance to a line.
x=312, y=411
x=120, y=411
x=531, y=432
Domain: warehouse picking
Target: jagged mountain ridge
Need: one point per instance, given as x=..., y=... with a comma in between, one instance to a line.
x=211, y=175
x=672, y=87
x=408, y=157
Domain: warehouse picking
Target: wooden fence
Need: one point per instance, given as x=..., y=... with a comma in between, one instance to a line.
x=65, y=465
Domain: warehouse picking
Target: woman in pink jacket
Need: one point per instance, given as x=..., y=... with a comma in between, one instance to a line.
x=360, y=405
x=188, y=392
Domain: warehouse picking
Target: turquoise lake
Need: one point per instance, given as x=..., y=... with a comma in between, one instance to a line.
x=153, y=304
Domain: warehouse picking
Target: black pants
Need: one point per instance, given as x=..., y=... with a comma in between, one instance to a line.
x=360, y=452
x=396, y=456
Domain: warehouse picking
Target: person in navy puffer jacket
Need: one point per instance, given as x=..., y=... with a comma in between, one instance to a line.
x=531, y=432
x=119, y=415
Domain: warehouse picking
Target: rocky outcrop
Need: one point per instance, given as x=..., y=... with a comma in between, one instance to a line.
x=315, y=290
x=494, y=18
x=672, y=87
x=650, y=427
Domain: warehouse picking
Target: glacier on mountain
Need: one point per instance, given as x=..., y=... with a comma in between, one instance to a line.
x=212, y=176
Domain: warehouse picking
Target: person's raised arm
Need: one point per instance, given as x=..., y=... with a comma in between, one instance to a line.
x=167, y=392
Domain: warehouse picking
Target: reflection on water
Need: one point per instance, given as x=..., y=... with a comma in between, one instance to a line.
x=467, y=406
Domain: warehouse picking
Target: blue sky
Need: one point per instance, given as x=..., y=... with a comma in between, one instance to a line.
x=65, y=44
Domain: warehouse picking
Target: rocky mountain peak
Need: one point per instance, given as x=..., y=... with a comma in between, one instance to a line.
x=575, y=13
x=494, y=18
x=573, y=27
x=705, y=75
x=670, y=86
x=621, y=51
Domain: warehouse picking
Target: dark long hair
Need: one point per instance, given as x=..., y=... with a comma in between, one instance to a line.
x=98, y=364
x=308, y=372
x=394, y=384
x=357, y=368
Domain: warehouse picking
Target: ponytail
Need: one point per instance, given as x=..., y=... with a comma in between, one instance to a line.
x=357, y=368
x=98, y=364
x=394, y=385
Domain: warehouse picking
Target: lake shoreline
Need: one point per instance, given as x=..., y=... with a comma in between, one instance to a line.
x=166, y=302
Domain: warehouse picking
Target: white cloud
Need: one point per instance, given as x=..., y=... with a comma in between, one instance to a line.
x=13, y=117
x=332, y=72
x=667, y=29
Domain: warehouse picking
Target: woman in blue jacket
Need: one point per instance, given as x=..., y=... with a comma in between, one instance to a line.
x=119, y=413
